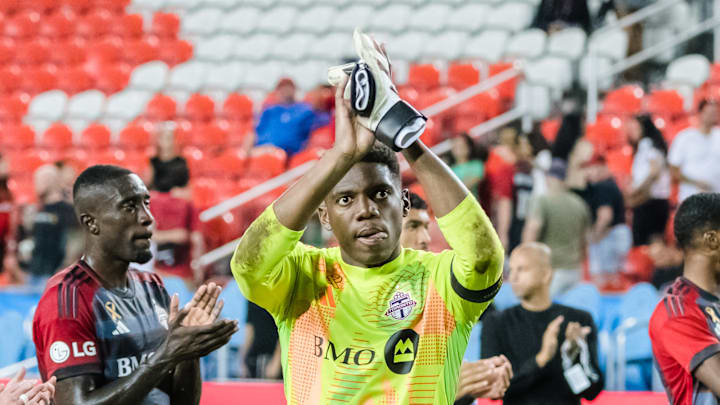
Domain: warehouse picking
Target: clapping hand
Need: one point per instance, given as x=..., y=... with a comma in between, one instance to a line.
x=27, y=392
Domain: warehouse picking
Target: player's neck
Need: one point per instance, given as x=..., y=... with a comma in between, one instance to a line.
x=536, y=303
x=112, y=272
x=699, y=269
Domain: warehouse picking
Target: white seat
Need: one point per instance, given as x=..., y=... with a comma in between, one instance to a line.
x=602, y=65
x=49, y=105
x=689, y=70
x=612, y=44
x=202, y=22
x=333, y=47
x=393, y=18
x=126, y=104
x=295, y=3
x=489, y=45
x=469, y=17
x=148, y=4
x=511, y=16
x=551, y=71
x=308, y=75
x=256, y=47
x=189, y=76
x=226, y=76
x=432, y=17
x=87, y=105
x=446, y=46
x=215, y=49
x=240, y=21
x=293, y=47
x=149, y=76
x=353, y=16
x=528, y=44
x=536, y=100
x=260, y=3
x=224, y=4
x=315, y=20
x=262, y=76
x=407, y=46
x=277, y=20
x=180, y=4
x=568, y=43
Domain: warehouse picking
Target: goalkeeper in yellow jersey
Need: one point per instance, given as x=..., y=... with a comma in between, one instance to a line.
x=369, y=322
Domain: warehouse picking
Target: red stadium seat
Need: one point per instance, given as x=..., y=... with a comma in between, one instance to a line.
x=116, y=6
x=666, y=103
x=33, y=52
x=165, y=25
x=549, y=129
x=432, y=134
x=7, y=51
x=136, y=162
x=39, y=79
x=409, y=94
x=106, y=157
x=106, y=50
x=238, y=106
x=305, y=156
x=195, y=159
x=462, y=75
x=639, y=266
x=175, y=51
x=95, y=136
x=423, y=76
x=22, y=25
x=426, y=99
x=9, y=7
x=57, y=137
x=139, y=51
x=93, y=25
x=74, y=79
x=71, y=52
x=78, y=6
x=208, y=136
x=17, y=137
x=40, y=6
x=112, y=78
x=22, y=165
x=128, y=26
x=606, y=133
x=204, y=193
x=506, y=89
x=13, y=107
x=59, y=25
x=134, y=138
x=619, y=161
x=626, y=100
x=161, y=108
x=322, y=137
x=476, y=110
x=22, y=190
x=266, y=161
x=200, y=108
x=9, y=79
x=230, y=164
x=714, y=74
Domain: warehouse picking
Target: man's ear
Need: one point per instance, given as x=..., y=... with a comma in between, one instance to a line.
x=406, y=202
x=323, y=216
x=711, y=240
x=89, y=222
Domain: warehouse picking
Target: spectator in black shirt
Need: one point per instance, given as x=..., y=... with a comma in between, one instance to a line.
x=167, y=161
x=542, y=340
x=554, y=15
x=261, y=348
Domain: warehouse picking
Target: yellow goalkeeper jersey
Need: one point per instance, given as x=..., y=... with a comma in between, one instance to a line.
x=393, y=334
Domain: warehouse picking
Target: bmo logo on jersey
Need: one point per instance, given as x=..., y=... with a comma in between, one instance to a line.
x=127, y=365
x=60, y=352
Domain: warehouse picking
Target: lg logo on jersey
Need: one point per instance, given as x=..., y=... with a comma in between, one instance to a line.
x=60, y=351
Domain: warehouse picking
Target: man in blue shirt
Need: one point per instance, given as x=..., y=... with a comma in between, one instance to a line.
x=286, y=124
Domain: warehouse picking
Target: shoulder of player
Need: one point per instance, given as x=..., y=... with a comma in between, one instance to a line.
x=67, y=292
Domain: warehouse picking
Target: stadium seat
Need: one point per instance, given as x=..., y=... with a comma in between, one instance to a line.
x=24, y=164
x=527, y=44
x=476, y=110
x=315, y=20
x=567, y=43
x=225, y=77
x=423, y=77
x=94, y=24
x=606, y=133
x=266, y=162
x=488, y=46
x=665, y=102
x=255, y=47
x=433, y=132
x=262, y=76
x=612, y=44
x=104, y=50
x=468, y=17
x=307, y=155
x=639, y=266
x=9, y=79
x=141, y=50
x=690, y=70
x=37, y=79
x=34, y=52
x=216, y=49
x=322, y=137
x=226, y=165
x=23, y=25
x=86, y=106
x=238, y=106
x=619, y=161
x=175, y=52
x=550, y=71
x=277, y=20
x=70, y=52
x=510, y=16
x=58, y=25
x=430, y=17
x=209, y=137
x=392, y=18
x=150, y=76
x=240, y=21
x=406, y=46
x=13, y=108
x=94, y=137
x=112, y=78
x=204, y=193
x=17, y=138
x=335, y=46
x=129, y=26
x=357, y=15
x=57, y=137
x=200, y=107
x=189, y=76
x=134, y=138
x=292, y=47
x=536, y=99
x=602, y=67
x=165, y=25
x=585, y=296
x=7, y=51
x=446, y=45
x=126, y=105
x=462, y=75
x=49, y=105
x=626, y=100
x=161, y=108
x=203, y=21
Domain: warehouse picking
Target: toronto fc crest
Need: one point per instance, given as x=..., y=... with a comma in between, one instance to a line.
x=401, y=305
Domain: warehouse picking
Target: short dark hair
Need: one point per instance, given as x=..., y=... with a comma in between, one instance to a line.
x=98, y=175
x=416, y=202
x=697, y=214
x=703, y=103
x=382, y=154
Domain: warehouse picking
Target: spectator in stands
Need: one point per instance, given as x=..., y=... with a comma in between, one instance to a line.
x=167, y=161
x=51, y=225
x=500, y=169
x=261, y=349
x=571, y=146
x=286, y=124
x=610, y=237
x=667, y=260
x=523, y=185
x=545, y=342
x=561, y=220
x=650, y=189
x=19, y=391
x=694, y=154
x=468, y=161
x=415, y=233
x=6, y=208
x=177, y=236
x=554, y=15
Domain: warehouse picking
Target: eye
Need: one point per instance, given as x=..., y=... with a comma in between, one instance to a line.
x=344, y=201
x=129, y=207
x=382, y=194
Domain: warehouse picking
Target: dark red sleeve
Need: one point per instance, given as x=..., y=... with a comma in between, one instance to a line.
x=688, y=339
x=194, y=218
x=502, y=181
x=64, y=336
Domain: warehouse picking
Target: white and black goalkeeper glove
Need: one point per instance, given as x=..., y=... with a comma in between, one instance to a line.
x=374, y=98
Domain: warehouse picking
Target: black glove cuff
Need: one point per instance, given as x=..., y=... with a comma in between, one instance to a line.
x=400, y=115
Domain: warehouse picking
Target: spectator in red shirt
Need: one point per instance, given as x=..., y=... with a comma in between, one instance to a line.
x=6, y=206
x=500, y=170
x=685, y=327
x=176, y=235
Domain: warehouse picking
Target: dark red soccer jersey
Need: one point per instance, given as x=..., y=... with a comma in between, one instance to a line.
x=685, y=331
x=82, y=328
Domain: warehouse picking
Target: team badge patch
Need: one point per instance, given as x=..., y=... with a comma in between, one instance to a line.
x=400, y=306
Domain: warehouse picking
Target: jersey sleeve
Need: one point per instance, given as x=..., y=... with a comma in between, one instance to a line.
x=676, y=154
x=271, y=266
x=65, y=341
x=688, y=340
x=469, y=276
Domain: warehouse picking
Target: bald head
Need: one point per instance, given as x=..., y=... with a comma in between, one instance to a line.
x=46, y=178
x=530, y=270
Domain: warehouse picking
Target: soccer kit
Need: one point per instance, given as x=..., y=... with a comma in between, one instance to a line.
x=82, y=328
x=684, y=330
x=393, y=334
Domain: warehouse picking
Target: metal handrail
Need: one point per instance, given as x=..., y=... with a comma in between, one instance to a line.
x=630, y=324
